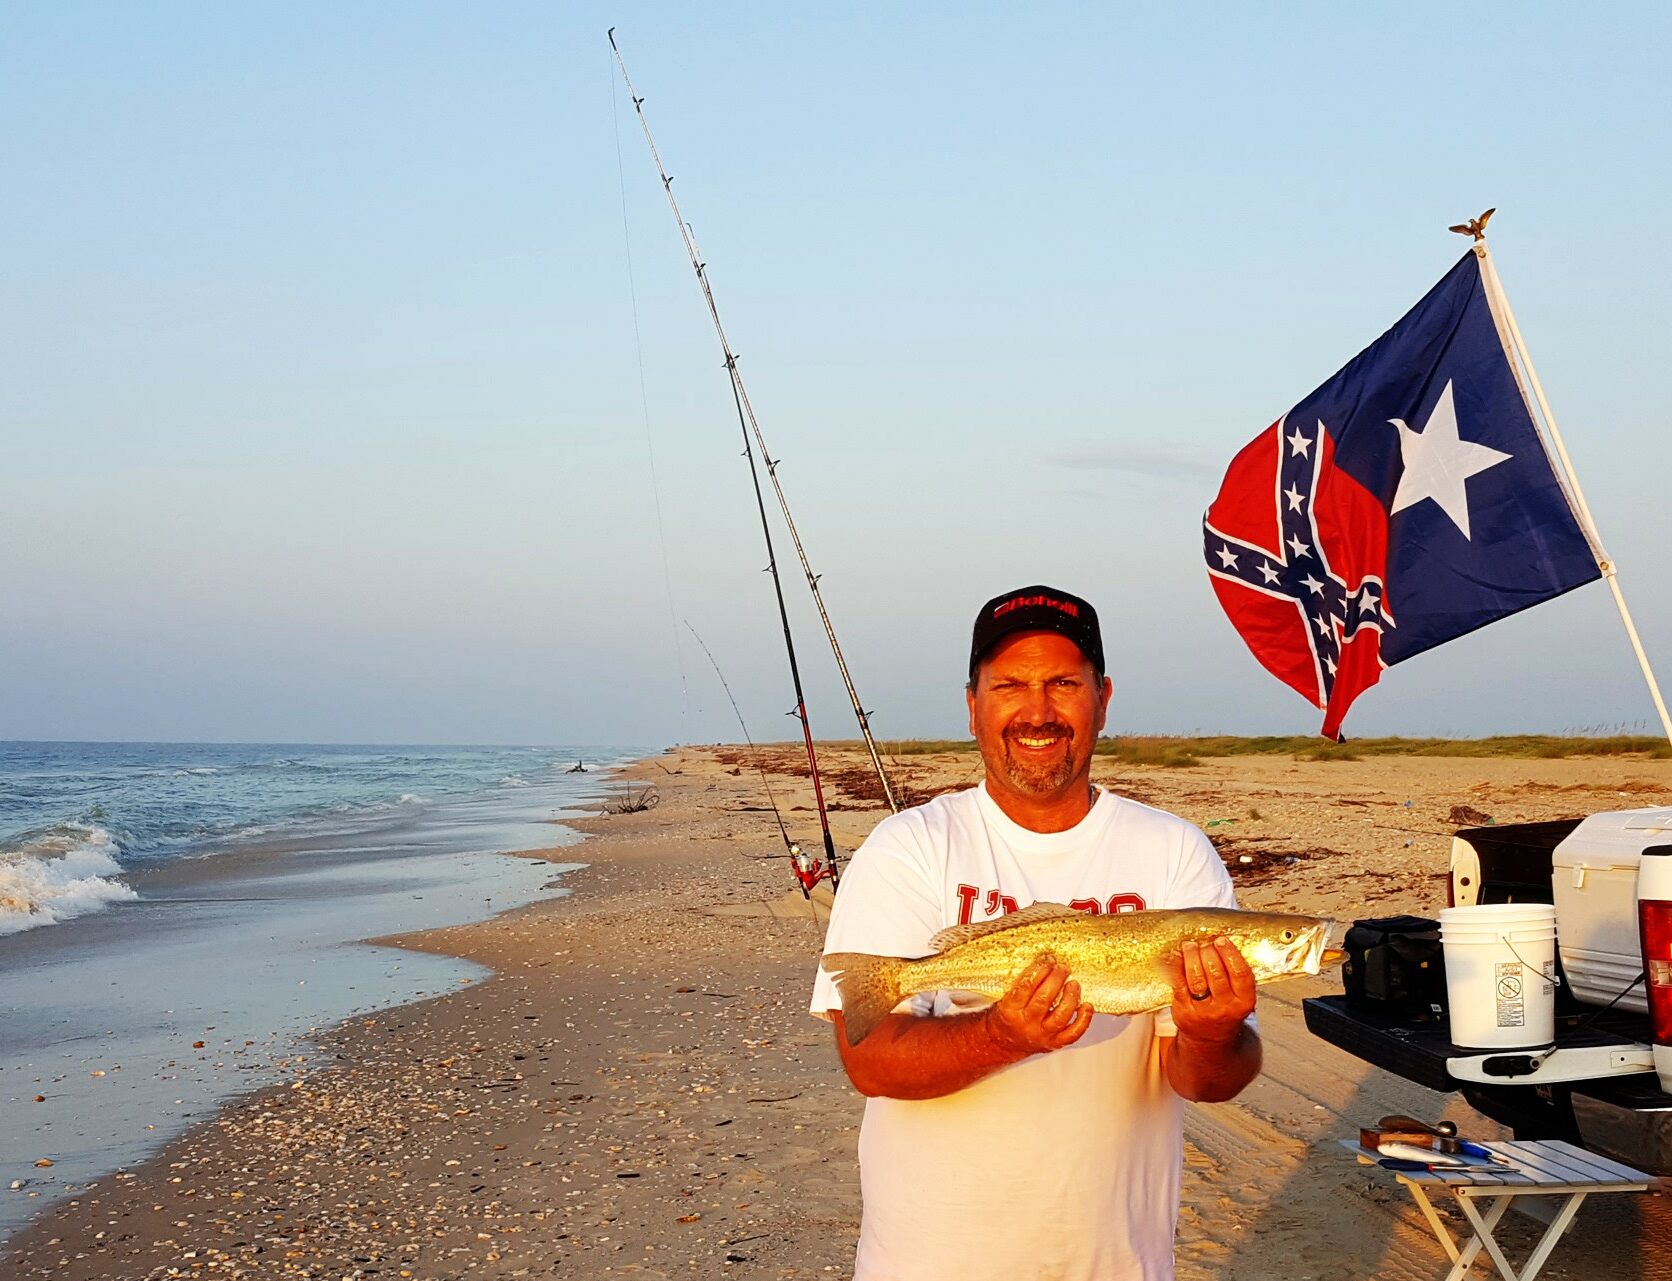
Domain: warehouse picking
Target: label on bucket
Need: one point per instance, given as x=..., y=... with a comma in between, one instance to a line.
x=1512, y=998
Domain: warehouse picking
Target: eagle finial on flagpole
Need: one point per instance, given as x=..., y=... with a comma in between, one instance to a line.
x=1475, y=227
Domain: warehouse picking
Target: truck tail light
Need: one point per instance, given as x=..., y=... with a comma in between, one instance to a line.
x=1654, y=925
x=1654, y=920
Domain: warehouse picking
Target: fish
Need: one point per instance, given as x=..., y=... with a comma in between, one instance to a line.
x=1118, y=959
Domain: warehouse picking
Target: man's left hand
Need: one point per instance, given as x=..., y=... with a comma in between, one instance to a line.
x=1213, y=990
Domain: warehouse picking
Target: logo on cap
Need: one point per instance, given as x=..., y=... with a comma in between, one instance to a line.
x=1017, y=602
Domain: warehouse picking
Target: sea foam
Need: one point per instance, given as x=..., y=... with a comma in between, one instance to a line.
x=55, y=875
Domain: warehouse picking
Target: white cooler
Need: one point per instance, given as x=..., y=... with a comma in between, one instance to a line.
x=1594, y=877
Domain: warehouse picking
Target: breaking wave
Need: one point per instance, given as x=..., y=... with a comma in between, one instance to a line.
x=81, y=823
x=53, y=876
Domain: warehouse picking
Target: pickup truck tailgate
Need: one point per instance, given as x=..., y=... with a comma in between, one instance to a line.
x=1415, y=1051
x=1421, y=1052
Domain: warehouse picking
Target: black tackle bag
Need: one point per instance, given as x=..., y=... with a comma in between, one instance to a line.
x=1394, y=965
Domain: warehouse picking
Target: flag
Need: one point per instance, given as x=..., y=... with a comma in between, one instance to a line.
x=1406, y=502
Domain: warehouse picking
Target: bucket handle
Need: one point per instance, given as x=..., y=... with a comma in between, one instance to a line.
x=1554, y=979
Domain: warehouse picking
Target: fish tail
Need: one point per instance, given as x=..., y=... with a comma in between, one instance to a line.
x=869, y=986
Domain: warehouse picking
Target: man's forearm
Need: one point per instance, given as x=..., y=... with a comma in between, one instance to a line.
x=908, y=1057
x=1211, y=1071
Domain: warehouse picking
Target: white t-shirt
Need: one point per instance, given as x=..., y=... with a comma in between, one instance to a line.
x=1066, y=1165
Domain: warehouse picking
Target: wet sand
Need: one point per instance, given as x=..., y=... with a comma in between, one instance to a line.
x=127, y=1027
x=638, y=1090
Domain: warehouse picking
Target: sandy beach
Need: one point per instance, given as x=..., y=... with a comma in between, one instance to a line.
x=638, y=1089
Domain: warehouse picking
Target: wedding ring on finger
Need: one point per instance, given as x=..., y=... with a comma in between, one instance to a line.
x=1200, y=996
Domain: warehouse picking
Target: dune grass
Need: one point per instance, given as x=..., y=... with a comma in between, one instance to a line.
x=1523, y=746
x=917, y=746
x=1169, y=750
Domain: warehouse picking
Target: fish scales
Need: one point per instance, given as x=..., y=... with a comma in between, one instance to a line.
x=1118, y=960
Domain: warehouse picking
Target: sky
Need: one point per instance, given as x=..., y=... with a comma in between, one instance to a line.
x=354, y=386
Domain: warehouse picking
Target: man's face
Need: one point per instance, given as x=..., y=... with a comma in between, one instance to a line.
x=1036, y=711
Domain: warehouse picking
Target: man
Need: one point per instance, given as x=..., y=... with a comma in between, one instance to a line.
x=1032, y=1138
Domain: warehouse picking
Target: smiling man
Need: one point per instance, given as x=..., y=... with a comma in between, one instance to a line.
x=1032, y=1137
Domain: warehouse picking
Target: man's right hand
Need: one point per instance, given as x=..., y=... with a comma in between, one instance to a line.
x=913, y=1057
x=1041, y=1012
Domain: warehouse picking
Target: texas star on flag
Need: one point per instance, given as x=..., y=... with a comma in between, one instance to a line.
x=1404, y=503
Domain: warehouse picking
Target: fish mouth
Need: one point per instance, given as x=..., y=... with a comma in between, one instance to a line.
x=1306, y=953
x=1315, y=951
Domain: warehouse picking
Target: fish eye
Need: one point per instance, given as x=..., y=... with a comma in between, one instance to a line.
x=1288, y=935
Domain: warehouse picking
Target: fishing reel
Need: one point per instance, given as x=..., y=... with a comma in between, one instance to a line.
x=809, y=871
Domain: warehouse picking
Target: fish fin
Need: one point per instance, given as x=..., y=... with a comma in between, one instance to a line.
x=869, y=986
x=955, y=934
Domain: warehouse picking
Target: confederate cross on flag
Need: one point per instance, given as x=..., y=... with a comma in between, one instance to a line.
x=1406, y=502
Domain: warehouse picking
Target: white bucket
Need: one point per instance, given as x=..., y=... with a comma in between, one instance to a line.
x=1501, y=975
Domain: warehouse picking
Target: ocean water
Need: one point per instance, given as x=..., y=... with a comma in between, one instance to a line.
x=76, y=819
x=178, y=920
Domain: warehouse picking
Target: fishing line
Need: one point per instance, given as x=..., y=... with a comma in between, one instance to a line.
x=807, y=871
x=644, y=408
x=746, y=413
x=754, y=751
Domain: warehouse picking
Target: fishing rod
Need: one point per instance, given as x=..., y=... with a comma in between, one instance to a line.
x=746, y=415
x=808, y=871
x=800, y=712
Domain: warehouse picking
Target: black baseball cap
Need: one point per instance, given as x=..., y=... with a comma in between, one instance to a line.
x=1037, y=609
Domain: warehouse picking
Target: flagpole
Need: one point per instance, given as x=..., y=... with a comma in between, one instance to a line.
x=1582, y=510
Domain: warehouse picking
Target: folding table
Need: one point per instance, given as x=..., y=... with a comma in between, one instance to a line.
x=1544, y=1168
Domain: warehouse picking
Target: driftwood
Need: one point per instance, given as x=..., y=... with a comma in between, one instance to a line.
x=634, y=802
x=1468, y=813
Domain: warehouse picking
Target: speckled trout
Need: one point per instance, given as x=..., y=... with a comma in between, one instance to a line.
x=1118, y=959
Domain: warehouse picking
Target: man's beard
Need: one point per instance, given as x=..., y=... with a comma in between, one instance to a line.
x=1044, y=777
